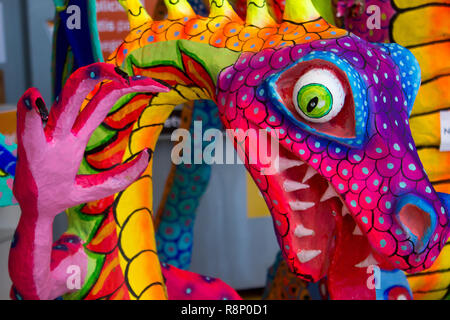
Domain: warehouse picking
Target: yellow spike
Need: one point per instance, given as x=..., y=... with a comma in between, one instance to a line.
x=137, y=15
x=300, y=11
x=177, y=9
x=222, y=8
x=258, y=14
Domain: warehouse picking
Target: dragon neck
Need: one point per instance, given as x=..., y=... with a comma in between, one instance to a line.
x=191, y=68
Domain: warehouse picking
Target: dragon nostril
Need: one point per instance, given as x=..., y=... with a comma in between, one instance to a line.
x=417, y=218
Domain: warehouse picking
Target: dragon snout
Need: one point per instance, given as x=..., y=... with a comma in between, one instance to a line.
x=418, y=219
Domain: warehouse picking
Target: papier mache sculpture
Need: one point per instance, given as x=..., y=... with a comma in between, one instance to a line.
x=350, y=191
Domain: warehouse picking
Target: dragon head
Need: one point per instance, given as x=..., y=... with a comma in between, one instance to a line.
x=350, y=191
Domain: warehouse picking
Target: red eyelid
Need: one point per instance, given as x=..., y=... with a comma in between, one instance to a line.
x=343, y=125
x=289, y=78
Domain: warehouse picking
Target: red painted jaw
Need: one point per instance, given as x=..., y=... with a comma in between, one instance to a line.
x=315, y=231
x=304, y=208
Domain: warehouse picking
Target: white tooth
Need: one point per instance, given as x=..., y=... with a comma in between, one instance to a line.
x=345, y=211
x=357, y=231
x=369, y=261
x=307, y=255
x=301, y=205
x=284, y=163
x=329, y=193
x=309, y=174
x=301, y=231
x=291, y=185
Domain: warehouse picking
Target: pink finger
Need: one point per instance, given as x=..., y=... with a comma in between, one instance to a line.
x=100, y=105
x=31, y=112
x=78, y=86
x=101, y=185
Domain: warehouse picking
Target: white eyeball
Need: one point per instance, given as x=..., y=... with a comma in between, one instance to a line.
x=318, y=95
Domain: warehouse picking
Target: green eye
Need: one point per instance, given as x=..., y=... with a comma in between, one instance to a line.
x=315, y=100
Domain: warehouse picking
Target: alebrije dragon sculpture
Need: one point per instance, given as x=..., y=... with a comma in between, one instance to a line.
x=350, y=191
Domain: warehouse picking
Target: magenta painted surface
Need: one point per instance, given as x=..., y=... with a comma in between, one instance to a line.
x=46, y=177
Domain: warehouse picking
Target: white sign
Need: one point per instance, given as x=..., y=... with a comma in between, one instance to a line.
x=445, y=131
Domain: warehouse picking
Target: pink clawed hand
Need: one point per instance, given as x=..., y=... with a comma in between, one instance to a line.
x=49, y=158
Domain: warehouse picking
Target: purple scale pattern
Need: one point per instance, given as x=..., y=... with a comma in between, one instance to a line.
x=372, y=179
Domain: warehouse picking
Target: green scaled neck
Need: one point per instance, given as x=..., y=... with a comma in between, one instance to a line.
x=168, y=53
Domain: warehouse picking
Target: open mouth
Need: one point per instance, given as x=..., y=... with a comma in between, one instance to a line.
x=310, y=206
x=310, y=218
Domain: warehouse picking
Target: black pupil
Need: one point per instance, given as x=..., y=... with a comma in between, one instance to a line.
x=312, y=104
